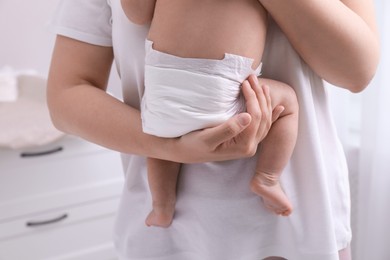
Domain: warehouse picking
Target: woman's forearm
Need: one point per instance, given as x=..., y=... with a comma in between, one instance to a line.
x=79, y=104
x=337, y=39
x=79, y=111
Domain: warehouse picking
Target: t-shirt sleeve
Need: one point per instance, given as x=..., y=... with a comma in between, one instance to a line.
x=87, y=20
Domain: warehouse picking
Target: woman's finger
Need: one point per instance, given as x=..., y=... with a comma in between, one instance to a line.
x=265, y=107
x=225, y=132
x=277, y=112
x=252, y=107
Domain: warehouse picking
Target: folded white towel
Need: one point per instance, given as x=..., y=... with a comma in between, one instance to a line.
x=8, y=85
x=26, y=121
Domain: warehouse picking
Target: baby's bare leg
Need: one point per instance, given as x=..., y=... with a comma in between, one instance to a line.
x=276, y=149
x=162, y=178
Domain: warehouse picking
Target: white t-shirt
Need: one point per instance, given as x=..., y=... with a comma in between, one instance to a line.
x=217, y=216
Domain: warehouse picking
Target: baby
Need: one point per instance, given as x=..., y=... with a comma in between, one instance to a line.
x=198, y=53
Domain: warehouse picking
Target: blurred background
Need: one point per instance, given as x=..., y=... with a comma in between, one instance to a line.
x=361, y=119
x=58, y=193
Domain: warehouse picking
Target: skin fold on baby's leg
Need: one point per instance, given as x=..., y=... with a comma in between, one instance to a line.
x=162, y=178
x=276, y=149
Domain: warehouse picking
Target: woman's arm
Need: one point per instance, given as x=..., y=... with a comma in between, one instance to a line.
x=80, y=106
x=139, y=11
x=338, y=39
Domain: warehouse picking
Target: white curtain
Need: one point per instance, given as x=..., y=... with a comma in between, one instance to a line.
x=363, y=122
x=373, y=229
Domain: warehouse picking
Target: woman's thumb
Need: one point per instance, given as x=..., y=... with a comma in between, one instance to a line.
x=228, y=130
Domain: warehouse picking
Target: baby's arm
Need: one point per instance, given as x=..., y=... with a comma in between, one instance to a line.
x=139, y=11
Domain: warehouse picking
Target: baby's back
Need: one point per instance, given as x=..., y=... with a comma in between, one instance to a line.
x=209, y=28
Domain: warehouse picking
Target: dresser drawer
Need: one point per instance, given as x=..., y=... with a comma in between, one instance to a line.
x=36, y=223
x=85, y=234
x=58, y=202
x=68, y=146
x=64, y=199
x=59, y=183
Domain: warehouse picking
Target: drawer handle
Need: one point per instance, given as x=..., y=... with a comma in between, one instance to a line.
x=46, y=222
x=41, y=153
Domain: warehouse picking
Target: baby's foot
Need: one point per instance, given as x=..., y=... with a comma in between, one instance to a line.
x=161, y=215
x=273, y=195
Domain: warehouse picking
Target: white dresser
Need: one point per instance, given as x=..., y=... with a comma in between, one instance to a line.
x=59, y=201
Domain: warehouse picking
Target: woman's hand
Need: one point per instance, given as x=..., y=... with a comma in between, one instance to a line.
x=238, y=137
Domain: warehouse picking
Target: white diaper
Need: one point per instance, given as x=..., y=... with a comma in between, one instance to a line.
x=186, y=94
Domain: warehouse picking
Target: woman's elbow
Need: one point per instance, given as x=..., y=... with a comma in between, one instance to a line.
x=140, y=19
x=55, y=112
x=56, y=120
x=363, y=72
x=138, y=12
x=358, y=82
x=354, y=80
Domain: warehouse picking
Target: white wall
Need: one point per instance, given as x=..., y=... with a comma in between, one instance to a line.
x=25, y=41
